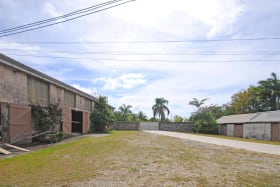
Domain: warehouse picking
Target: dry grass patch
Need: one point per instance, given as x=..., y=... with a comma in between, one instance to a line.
x=140, y=159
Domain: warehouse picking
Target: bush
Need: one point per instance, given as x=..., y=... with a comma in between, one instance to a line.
x=46, y=118
x=101, y=117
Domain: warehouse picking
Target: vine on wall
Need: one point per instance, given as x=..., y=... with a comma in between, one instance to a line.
x=47, y=118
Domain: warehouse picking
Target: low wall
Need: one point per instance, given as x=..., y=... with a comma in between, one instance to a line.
x=165, y=126
x=125, y=126
x=149, y=126
x=177, y=127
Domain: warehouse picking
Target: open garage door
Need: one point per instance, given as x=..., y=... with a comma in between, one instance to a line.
x=77, y=121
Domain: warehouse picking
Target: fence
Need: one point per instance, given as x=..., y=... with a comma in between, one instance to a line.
x=176, y=127
x=165, y=126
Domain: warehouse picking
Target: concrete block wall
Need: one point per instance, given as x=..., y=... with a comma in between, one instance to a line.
x=149, y=126
x=260, y=131
x=176, y=127
x=125, y=126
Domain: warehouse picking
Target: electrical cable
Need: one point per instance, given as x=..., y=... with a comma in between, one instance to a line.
x=58, y=17
x=13, y=33
x=149, y=42
x=149, y=60
x=226, y=53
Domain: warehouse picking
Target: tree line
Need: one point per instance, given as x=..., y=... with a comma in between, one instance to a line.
x=265, y=96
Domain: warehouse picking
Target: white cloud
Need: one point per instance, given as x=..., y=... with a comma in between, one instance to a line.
x=182, y=18
x=150, y=20
x=31, y=49
x=51, y=10
x=86, y=90
x=219, y=15
x=126, y=81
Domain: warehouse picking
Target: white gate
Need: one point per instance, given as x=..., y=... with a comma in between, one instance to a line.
x=149, y=126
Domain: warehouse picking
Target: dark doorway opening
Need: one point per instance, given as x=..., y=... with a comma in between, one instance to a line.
x=77, y=121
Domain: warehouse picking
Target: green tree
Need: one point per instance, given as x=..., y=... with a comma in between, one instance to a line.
x=142, y=116
x=195, y=102
x=131, y=117
x=159, y=108
x=125, y=110
x=239, y=102
x=117, y=116
x=204, y=119
x=178, y=119
x=270, y=91
x=101, y=116
x=263, y=97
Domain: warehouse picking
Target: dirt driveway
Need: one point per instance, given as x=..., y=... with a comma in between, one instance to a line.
x=261, y=148
x=136, y=158
x=149, y=159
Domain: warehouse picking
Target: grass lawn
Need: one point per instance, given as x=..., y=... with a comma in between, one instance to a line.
x=135, y=158
x=240, y=139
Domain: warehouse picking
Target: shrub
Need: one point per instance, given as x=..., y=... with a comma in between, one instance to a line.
x=101, y=116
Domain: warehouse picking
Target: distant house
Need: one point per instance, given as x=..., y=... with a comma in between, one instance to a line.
x=22, y=86
x=261, y=125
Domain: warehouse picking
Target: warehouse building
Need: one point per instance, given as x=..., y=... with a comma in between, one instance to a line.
x=22, y=86
x=261, y=125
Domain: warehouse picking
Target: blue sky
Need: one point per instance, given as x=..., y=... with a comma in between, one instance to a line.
x=175, y=71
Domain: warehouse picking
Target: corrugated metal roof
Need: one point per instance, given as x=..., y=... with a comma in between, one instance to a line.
x=240, y=118
x=271, y=116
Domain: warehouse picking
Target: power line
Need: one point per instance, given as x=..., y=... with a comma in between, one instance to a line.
x=226, y=53
x=148, y=42
x=58, y=17
x=44, y=21
x=148, y=60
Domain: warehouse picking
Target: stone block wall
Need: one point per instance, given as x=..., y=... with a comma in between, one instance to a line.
x=149, y=126
x=125, y=126
x=176, y=127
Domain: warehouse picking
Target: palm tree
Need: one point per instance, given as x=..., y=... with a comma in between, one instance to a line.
x=195, y=102
x=125, y=110
x=141, y=116
x=272, y=87
x=159, y=108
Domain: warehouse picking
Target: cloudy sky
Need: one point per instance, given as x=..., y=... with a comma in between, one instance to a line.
x=133, y=53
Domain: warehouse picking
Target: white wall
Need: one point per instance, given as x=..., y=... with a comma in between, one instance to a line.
x=230, y=129
x=260, y=131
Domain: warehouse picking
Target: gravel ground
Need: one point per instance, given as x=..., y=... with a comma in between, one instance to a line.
x=154, y=160
x=146, y=159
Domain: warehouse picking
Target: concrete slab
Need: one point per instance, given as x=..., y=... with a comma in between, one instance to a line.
x=257, y=147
